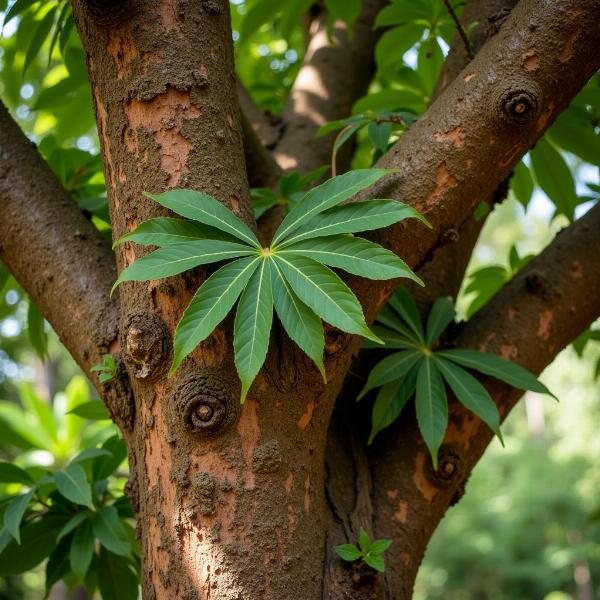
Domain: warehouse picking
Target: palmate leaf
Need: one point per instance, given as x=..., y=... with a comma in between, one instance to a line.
x=82, y=548
x=205, y=209
x=164, y=231
x=325, y=293
x=301, y=323
x=504, y=370
x=366, y=215
x=392, y=367
x=431, y=405
x=13, y=515
x=253, y=325
x=405, y=306
x=390, y=318
x=354, y=255
x=390, y=401
x=327, y=195
x=441, y=314
x=210, y=306
x=174, y=259
x=471, y=394
x=392, y=339
x=72, y=483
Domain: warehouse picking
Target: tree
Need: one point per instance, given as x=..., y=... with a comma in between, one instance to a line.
x=249, y=500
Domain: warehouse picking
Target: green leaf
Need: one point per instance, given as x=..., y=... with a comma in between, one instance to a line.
x=354, y=255
x=380, y=546
x=363, y=540
x=365, y=215
x=392, y=339
x=94, y=410
x=10, y=473
x=90, y=453
x=103, y=466
x=395, y=42
x=375, y=562
x=108, y=529
x=37, y=542
x=19, y=7
x=554, y=177
x=205, y=209
x=521, y=183
x=348, y=552
x=392, y=367
x=35, y=330
x=34, y=405
x=73, y=523
x=174, y=259
x=39, y=37
x=210, y=305
x=325, y=293
x=13, y=515
x=259, y=13
x=405, y=306
x=82, y=548
x=327, y=195
x=117, y=580
x=301, y=323
x=390, y=318
x=440, y=316
x=471, y=394
x=432, y=406
x=390, y=401
x=165, y=231
x=429, y=62
x=57, y=566
x=252, y=325
x=570, y=134
x=504, y=370
x=72, y=483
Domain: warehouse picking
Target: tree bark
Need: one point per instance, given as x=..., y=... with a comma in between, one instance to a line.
x=234, y=505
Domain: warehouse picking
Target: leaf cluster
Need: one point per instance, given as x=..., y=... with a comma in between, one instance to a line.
x=291, y=276
x=421, y=368
x=72, y=513
x=367, y=551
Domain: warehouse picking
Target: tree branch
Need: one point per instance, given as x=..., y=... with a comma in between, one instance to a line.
x=54, y=252
x=477, y=130
x=543, y=309
x=333, y=76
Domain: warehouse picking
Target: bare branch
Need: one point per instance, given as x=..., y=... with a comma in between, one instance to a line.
x=53, y=251
x=333, y=76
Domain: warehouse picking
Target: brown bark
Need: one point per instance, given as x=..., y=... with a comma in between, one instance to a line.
x=332, y=77
x=543, y=309
x=56, y=254
x=234, y=506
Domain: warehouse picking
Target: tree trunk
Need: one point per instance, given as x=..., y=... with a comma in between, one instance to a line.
x=247, y=501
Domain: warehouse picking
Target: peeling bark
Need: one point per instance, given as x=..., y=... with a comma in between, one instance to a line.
x=230, y=500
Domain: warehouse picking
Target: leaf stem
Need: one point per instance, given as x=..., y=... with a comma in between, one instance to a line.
x=459, y=28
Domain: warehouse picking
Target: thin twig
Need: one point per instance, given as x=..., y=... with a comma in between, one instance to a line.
x=460, y=28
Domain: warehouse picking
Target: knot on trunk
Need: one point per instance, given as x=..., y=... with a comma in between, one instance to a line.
x=119, y=401
x=451, y=467
x=107, y=13
x=517, y=103
x=205, y=404
x=147, y=346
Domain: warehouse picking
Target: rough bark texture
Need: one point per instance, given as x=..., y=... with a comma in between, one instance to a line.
x=332, y=77
x=58, y=256
x=230, y=500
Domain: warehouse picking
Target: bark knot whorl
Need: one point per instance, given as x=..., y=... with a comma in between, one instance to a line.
x=451, y=467
x=107, y=13
x=147, y=346
x=205, y=404
x=517, y=102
